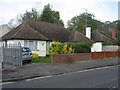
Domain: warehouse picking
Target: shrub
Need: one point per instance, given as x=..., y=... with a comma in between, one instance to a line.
x=66, y=49
x=55, y=48
x=35, y=55
x=81, y=47
x=59, y=48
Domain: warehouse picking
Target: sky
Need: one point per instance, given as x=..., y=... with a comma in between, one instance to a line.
x=104, y=10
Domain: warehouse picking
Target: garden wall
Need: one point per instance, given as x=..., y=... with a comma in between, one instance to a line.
x=98, y=55
x=69, y=58
x=83, y=56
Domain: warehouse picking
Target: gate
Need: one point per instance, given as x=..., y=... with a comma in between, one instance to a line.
x=11, y=55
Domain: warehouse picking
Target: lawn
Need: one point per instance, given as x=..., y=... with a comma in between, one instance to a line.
x=42, y=59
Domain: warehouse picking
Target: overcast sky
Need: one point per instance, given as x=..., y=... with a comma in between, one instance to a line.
x=104, y=10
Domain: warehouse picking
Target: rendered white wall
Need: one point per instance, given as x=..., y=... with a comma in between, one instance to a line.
x=41, y=48
x=97, y=47
x=16, y=42
x=10, y=41
x=19, y=41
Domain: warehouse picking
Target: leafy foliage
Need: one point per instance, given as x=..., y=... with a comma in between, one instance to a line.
x=79, y=22
x=59, y=48
x=118, y=32
x=47, y=15
x=51, y=16
x=35, y=55
x=81, y=47
x=30, y=15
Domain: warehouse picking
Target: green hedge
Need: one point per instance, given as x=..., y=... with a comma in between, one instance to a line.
x=81, y=47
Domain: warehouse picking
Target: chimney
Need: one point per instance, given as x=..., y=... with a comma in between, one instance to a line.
x=113, y=33
x=88, y=32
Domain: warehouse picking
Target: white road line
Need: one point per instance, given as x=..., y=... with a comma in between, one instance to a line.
x=102, y=83
x=92, y=69
x=71, y=73
x=6, y=83
x=38, y=78
x=62, y=74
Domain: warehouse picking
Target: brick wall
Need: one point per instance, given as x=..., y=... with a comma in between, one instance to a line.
x=98, y=55
x=69, y=58
x=83, y=56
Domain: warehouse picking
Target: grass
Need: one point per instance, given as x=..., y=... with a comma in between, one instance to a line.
x=42, y=60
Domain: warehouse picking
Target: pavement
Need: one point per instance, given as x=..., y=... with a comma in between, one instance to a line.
x=33, y=70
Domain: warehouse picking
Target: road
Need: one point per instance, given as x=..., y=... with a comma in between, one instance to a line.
x=106, y=77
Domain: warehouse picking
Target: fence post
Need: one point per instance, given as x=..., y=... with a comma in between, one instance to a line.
x=1, y=58
x=21, y=62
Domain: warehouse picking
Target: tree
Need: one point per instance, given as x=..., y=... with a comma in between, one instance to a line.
x=79, y=22
x=47, y=15
x=116, y=25
x=51, y=16
x=29, y=15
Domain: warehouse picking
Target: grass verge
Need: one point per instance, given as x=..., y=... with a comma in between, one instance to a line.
x=42, y=60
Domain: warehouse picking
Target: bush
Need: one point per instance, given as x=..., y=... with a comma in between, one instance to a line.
x=59, y=48
x=55, y=48
x=81, y=47
x=35, y=55
x=66, y=49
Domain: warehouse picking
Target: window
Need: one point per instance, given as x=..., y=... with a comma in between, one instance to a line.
x=31, y=44
x=26, y=43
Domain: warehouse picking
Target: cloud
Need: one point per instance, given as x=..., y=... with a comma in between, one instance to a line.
x=102, y=9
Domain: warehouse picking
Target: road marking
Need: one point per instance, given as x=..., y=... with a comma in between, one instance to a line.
x=63, y=74
x=38, y=78
x=71, y=73
x=6, y=83
x=92, y=69
x=102, y=83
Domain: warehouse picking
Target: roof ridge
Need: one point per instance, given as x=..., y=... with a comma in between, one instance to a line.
x=99, y=33
x=23, y=25
x=37, y=32
x=106, y=35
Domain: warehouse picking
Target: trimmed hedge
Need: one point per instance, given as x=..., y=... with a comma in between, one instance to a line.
x=81, y=47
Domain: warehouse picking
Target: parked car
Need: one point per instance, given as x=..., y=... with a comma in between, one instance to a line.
x=26, y=54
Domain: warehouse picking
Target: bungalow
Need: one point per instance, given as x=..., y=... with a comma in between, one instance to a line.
x=39, y=35
x=98, y=37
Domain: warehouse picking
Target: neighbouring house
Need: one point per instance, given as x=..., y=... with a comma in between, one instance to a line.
x=98, y=37
x=3, y=30
x=38, y=35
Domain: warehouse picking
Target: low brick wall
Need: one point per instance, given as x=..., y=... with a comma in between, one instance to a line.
x=83, y=56
x=99, y=55
x=69, y=58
